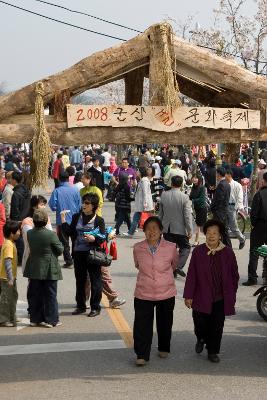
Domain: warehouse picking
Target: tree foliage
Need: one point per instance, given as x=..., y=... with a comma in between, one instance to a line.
x=232, y=33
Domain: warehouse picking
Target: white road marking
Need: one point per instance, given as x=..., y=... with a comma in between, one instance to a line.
x=61, y=347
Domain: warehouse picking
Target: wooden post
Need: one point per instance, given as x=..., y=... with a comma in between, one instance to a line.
x=134, y=86
x=163, y=87
x=61, y=100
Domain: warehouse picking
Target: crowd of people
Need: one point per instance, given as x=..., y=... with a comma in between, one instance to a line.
x=168, y=191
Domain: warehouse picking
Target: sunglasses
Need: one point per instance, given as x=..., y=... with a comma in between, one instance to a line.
x=87, y=203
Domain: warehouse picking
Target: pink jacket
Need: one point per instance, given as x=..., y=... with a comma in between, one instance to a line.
x=155, y=279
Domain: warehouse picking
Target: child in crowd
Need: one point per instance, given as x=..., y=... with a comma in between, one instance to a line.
x=8, y=275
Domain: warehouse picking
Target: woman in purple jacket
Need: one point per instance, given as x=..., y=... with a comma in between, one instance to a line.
x=210, y=288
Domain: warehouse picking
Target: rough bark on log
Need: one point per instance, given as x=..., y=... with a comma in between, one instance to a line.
x=61, y=135
x=227, y=73
x=61, y=100
x=162, y=88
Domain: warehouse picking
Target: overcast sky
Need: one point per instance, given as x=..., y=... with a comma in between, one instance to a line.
x=32, y=47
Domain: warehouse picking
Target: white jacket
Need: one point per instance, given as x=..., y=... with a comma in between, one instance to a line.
x=143, y=196
x=236, y=195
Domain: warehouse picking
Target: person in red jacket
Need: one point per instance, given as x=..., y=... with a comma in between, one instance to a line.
x=57, y=169
x=2, y=223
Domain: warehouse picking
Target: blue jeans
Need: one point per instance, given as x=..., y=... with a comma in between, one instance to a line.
x=135, y=221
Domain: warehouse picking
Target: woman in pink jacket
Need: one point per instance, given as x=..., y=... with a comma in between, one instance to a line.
x=156, y=259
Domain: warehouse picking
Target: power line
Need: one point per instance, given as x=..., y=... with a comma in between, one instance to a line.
x=104, y=34
x=132, y=29
x=62, y=22
x=88, y=15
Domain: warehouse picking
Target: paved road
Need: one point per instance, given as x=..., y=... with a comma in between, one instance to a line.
x=89, y=358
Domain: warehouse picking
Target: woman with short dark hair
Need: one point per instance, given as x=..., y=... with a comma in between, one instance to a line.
x=156, y=259
x=210, y=288
x=43, y=270
x=37, y=202
x=81, y=225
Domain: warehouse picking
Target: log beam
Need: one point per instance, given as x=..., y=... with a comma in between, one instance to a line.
x=93, y=71
x=61, y=135
x=227, y=73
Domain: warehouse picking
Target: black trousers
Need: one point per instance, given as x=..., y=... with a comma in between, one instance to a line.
x=81, y=269
x=20, y=249
x=209, y=327
x=182, y=242
x=123, y=215
x=65, y=240
x=143, y=325
x=42, y=299
x=258, y=237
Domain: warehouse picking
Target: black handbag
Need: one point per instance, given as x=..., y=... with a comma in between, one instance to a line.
x=99, y=258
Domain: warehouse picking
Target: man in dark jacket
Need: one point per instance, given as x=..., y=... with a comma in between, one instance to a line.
x=20, y=206
x=220, y=203
x=97, y=173
x=258, y=236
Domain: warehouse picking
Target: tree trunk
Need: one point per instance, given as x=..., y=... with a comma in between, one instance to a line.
x=232, y=151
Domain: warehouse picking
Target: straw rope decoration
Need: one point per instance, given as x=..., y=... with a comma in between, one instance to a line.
x=41, y=144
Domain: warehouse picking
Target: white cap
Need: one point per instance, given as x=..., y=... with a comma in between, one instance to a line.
x=158, y=158
x=261, y=161
x=178, y=162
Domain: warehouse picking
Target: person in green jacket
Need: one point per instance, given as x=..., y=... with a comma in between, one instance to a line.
x=198, y=197
x=43, y=270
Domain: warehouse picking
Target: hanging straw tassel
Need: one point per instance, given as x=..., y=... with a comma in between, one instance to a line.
x=41, y=145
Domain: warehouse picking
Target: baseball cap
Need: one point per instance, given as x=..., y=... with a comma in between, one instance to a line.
x=178, y=162
x=158, y=158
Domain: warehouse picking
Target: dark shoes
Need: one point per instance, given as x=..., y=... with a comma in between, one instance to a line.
x=68, y=265
x=94, y=313
x=250, y=282
x=242, y=244
x=199, y=346
x=180, y=272
x=213, y=358
x=78, y=311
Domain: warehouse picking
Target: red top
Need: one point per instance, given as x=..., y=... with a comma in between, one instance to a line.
x=2, y=223
x=3, y=183
x=56, y=169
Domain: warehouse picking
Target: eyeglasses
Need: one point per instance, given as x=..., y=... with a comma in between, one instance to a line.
x=87, y=203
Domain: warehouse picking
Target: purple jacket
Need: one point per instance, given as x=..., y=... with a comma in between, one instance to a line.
x=198, y=285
